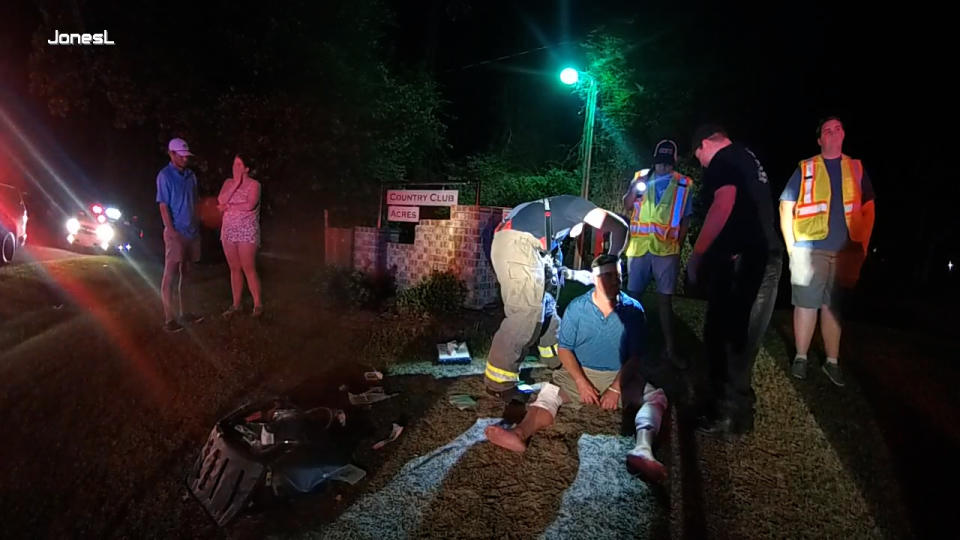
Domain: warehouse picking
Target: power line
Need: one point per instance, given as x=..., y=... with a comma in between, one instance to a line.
x=507, y=57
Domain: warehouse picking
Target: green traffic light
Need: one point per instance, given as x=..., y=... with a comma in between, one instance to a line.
x=569, y=76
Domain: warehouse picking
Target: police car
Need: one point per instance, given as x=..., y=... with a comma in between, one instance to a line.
x=104, y=228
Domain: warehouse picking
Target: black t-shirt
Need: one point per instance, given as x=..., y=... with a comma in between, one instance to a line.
x=752, y=223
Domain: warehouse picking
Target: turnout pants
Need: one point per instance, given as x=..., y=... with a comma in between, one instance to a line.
x=519, y=269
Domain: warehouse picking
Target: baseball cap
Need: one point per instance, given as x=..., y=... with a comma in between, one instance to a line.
x=665, y=152
x=179, y=146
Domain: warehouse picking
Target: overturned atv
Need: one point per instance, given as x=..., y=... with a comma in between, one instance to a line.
x=271, y=445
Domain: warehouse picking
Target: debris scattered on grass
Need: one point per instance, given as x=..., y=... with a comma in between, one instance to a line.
x=394, y=434
x=372, y=395
x=453, y=352
x=463, y=401
x=350, y=474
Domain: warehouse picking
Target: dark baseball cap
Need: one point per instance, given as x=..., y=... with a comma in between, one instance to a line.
x=665, y=152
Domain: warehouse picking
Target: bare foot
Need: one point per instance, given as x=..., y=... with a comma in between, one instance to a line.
x=505, y=438
x=649, y=469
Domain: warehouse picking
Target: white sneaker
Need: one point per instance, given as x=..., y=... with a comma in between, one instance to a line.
x=640, y=460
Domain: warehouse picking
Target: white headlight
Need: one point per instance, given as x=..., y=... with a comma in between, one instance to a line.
x=104, y=233
x=113, y=213
x=73, y=226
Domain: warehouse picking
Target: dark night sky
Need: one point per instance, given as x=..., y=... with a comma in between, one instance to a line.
x=767, y=72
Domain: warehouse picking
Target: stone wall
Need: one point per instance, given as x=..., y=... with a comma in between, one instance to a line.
x=455, y=245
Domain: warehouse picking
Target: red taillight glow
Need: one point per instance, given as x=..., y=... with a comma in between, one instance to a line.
x=97, y=209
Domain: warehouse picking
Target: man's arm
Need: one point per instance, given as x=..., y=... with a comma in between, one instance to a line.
x=611, y=396
x=868, y=214
x=588, y=393
x=636, y=327
x=867, y=208
x=630, y=197
x=786, y=223
x=165, y=216
x=788, y=203
x=717, y=216
x=163, y=198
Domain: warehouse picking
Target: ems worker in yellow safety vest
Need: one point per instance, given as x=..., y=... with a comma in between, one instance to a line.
x=659, y=204
x=826, y=216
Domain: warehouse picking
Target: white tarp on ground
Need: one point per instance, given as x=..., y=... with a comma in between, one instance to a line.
x=605, y=501
x=395, y=510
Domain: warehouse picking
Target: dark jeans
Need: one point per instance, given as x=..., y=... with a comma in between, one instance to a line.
x=742, y=291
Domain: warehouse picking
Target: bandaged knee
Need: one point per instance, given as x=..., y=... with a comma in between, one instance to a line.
x=651, y=413
x=549, y=399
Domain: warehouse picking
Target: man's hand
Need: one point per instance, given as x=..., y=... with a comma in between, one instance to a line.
x=177, y=233
x=610, y=400
x=588, y=394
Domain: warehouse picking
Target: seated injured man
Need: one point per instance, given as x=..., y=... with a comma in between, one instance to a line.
x=602, y=342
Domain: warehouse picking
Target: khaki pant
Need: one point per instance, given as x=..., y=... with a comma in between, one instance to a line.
x=520, y=272
x=653, y=402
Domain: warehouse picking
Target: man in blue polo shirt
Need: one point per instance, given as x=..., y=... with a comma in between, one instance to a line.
x=177, y=197
x=602, y=341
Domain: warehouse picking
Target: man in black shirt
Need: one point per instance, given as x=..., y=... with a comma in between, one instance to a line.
x=738, y=255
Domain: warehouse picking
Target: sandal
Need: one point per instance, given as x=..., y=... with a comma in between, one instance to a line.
x=257, y=311
x=231, y=310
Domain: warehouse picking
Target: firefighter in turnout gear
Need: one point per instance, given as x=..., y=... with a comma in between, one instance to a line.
x=525, y=257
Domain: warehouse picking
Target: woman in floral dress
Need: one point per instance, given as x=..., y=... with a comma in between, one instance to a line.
x=239, y=200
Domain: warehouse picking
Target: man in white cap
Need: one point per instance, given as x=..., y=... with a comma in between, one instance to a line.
x=177, y=197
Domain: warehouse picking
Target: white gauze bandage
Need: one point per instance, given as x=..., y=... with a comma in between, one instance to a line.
x=549, y=399
x=604, y=268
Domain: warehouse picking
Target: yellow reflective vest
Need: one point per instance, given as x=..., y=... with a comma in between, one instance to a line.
x=655, y=228
x=811, y=214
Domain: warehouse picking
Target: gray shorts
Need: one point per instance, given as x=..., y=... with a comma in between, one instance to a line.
x=819, y=278
x=662, y=268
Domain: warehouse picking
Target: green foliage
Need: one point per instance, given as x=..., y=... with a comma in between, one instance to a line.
x=344, y=287
x=503, y=184
x=439, y=293
x=634, y=111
